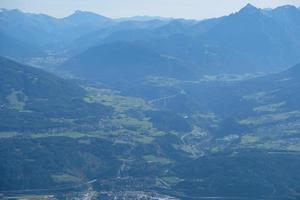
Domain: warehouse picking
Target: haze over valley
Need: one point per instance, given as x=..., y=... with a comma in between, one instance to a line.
x=143, y=107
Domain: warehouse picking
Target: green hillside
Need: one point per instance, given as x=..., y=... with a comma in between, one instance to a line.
x=32, y=99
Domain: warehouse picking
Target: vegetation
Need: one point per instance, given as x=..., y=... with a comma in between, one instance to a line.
x=154, y=159
x=179, y=107
x=32, y=99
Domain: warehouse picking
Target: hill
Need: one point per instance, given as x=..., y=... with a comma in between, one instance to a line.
x=124, y=62
x=32, y=99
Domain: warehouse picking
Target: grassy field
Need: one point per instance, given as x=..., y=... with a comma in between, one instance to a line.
x=30, y=197
x=269, y=107
x=127, y=129
x=4, y=135
x=15, y=101
x=116, y=100
x=270, y=118
x=73, y=135
x=246, y=139
x=65, y=178
x=159, y=160
x=172, y=180
x=259, y=97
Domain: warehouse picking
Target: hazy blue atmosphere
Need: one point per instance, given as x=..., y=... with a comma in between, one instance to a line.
x=96, y=105
x=197, y=9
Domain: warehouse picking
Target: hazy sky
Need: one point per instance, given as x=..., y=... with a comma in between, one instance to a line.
x=198, y=9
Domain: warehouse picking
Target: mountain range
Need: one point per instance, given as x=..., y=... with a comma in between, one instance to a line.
x=99, y=108
x=261, y=41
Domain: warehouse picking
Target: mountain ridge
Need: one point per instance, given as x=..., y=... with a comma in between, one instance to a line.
x=32, y=99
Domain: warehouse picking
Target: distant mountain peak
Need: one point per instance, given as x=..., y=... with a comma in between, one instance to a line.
x=294, y=71
x=79, y=17
x=287, y=8
x=10, y=10
x=84, y=13
x=249, y=8
x=80, y=13
x=249, y=5
x=4, y=9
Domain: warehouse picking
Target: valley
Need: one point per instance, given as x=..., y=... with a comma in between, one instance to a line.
x=145, y=142
x=150, y=108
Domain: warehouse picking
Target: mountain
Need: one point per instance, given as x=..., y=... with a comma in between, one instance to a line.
x=159, y=109
x=288, y=17
x=48, y=33
x=82, y=22
x=146, y=31
x=293, y=72
x=256, y=39
x=42, y=29
x=259, y=40
x=12, y=47
x=34, y=99
x=283, y=86
x=84, y=17
x=36, y=29
x=124, y=62
x=143, y=18
x=120, y=31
